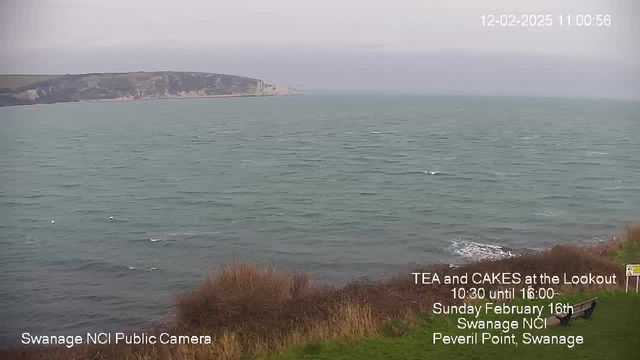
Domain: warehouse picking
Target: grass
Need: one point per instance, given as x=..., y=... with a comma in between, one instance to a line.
x=14, y=81
x=253, y=311
x=622, y=249
x=629, y=250
x=627, y=254
x=609, y=334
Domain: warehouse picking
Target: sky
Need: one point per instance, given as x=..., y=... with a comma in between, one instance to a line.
x=413, y=46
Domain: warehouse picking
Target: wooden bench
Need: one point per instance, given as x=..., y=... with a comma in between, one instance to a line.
x=585, y=308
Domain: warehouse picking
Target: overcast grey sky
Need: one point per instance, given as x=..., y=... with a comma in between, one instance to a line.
x=400, y=45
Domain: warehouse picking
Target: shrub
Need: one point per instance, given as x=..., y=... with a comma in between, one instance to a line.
x=251, y=310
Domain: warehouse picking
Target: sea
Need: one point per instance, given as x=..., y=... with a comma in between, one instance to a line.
x=110, y=210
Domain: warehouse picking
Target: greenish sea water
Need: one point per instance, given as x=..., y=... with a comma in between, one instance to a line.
x=343, y=187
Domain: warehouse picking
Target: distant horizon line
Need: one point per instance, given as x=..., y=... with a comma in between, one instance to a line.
x=464, y=94
x=323, y=91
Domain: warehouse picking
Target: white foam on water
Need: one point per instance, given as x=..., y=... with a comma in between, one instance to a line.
x=619, y=188
x=549, y=213
x=531, y=137
x=131, y=267
x=478, y=251
x=600, y=239
x=176, y=236
x=32, y=240
x=273, y=214
x=430, y=172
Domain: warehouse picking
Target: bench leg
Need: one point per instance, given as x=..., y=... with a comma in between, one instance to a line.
x=565, y=320
x=589, y=312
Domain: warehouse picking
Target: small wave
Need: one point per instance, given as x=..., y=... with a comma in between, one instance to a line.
x=596, y=153
x=304, y=165
x=579, y=163
x=376, y=132
x=619, y=181
x=532, y=137
x=32, y=240
x=131, y=267
x=619, y=188
x=370, y=171
x=486, y=180
x=600, y=239
x=501, y=174
x=554, y=197
x=193, y=192
x=33, y=196
x=427, y=172
x=275, y=214
x=87, y=211
x=549, y=213
x=438, y=135
x=479, y=251
x=12, y=202
x=176, y=236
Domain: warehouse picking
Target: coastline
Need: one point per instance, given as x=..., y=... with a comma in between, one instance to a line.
x=159, y=98
x=18, y=89
x=246, y=309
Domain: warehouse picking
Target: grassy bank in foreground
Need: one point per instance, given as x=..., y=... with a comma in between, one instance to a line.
x=611, y=334
x=252, y=312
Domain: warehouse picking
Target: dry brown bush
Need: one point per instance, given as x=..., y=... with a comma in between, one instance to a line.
x=250, y=309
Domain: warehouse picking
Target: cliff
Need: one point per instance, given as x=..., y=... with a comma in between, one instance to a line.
x=46, y=89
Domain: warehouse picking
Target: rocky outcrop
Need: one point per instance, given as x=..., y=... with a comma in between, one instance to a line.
x=139, y=85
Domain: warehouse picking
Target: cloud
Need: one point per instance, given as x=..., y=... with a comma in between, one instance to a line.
x=305, y=43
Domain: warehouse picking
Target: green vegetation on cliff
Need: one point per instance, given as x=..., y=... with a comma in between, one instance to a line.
x=255, y=312
x=45, y=89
